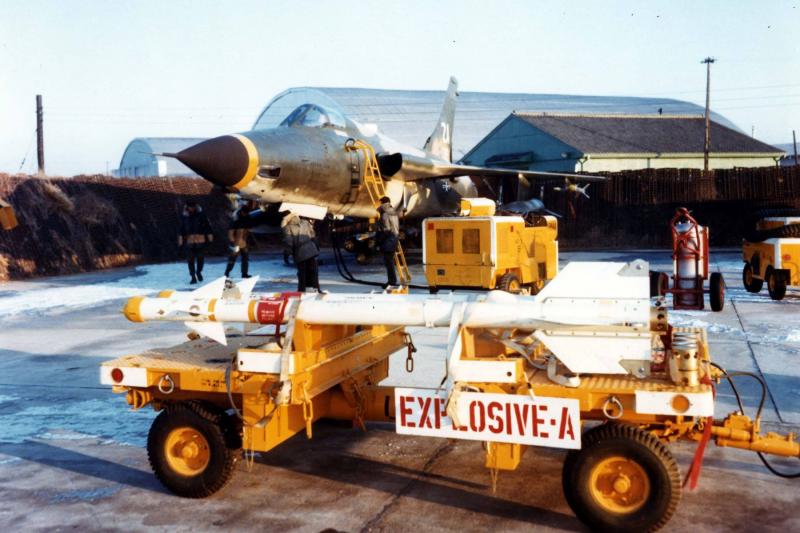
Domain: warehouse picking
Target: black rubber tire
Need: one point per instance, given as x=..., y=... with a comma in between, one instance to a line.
x=636, y=445
x=222, y=441
x=508, y=281
x=433, y=290
x=751, y=283
x=789, y=231
x=659, y=283
x=776, y=284
x=716, y=292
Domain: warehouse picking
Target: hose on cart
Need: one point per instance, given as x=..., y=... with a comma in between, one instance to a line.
x=760, y=380
x=341, y=266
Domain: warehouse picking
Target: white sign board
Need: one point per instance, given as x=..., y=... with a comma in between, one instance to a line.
x=540, y=421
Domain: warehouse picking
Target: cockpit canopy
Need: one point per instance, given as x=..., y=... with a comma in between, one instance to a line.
x=314, y=116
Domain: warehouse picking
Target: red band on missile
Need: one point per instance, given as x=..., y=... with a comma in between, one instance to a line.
x=270, y=309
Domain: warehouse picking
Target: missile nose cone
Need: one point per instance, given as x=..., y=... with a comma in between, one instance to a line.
x=229, y=161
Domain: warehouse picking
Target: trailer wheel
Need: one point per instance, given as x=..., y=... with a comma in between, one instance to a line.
x=509, y=282
x=751, y=283
x=659, y=283
x=191, y=452
x=716, y=291
x=776, y=284
x=623, y=479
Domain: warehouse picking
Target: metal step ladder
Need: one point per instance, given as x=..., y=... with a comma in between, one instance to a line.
x=376, y=189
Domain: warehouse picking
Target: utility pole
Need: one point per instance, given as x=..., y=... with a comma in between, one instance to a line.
x=794, y=141
x=39, y=134
x=707, y=147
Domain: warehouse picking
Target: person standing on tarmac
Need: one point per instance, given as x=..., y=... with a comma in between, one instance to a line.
x=300, y=241
x=387, y=237
x=195, y=233
x=237, y=238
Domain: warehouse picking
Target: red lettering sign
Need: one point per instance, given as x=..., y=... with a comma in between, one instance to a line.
x=406, y=411
x=477, y=422
x=495, y=422
x=536, y=421
x=566, y=425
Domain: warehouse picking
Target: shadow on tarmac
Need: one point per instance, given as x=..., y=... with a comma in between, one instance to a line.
x=87, y=465
x=417, y=484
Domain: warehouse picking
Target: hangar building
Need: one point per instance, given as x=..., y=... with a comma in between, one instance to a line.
x=612, y=142
x=140, y=157
x=409, y=116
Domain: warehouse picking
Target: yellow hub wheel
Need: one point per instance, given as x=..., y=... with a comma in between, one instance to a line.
x=619, y=485
x=187, y=451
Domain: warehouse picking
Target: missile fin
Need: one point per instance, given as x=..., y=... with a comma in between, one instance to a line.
x=213, y=330
x=210, y=290
x=246, y=286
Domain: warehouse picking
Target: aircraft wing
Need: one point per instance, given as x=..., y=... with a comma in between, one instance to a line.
x=409, y=167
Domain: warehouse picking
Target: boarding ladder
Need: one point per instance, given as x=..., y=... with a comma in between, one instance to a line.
x=376, y=189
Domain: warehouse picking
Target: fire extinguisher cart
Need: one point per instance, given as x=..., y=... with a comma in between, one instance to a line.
x=690, y=267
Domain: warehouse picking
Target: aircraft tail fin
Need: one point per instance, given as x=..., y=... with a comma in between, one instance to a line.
x=440, y=143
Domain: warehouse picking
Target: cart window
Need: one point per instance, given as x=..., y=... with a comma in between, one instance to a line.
x=444, y=241
x=471, y=241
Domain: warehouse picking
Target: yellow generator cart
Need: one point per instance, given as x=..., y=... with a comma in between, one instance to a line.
x=771, y=253
x=479, y=250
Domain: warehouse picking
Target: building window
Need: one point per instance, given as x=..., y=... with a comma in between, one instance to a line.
x=444, y=241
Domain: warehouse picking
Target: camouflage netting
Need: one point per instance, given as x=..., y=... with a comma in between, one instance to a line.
x=69, y=225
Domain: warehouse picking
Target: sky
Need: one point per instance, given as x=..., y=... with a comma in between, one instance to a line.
x=114, y=70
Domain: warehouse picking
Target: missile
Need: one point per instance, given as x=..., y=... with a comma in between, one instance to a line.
x=586, y=305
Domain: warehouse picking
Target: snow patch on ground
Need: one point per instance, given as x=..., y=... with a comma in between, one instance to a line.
x=692, y=319
x=71, y=419
x=7, y=398
x=84, y=495
x=793, y=336
x=142, y=280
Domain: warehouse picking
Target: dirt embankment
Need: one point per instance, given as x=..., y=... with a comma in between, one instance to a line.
x=69, y=225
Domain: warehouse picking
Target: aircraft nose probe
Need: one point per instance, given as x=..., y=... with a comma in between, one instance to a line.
x=228, y=161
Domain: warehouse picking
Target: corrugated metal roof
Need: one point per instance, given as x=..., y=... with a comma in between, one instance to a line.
x=601, y=134
x=410, y=116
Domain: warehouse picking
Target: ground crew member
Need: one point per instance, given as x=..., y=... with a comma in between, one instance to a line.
x=237, y=238
x=300, y=241
x=388, y=235
x=195, y=233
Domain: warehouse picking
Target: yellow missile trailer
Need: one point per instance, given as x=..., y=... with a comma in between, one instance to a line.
x=509, y=386
x=479, y=250
x=771, y=253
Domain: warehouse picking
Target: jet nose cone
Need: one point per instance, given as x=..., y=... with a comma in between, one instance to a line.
x=229, y=161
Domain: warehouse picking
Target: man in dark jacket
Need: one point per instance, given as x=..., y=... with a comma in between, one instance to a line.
x=388, y=235
x=237, y=238
x=300, y=241
x=195, y=233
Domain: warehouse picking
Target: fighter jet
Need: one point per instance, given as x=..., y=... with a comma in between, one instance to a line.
x=305, y=161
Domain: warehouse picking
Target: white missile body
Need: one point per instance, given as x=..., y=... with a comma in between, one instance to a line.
x=588, y=308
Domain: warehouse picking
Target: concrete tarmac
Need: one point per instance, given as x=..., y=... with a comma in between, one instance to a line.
x=72, y=455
